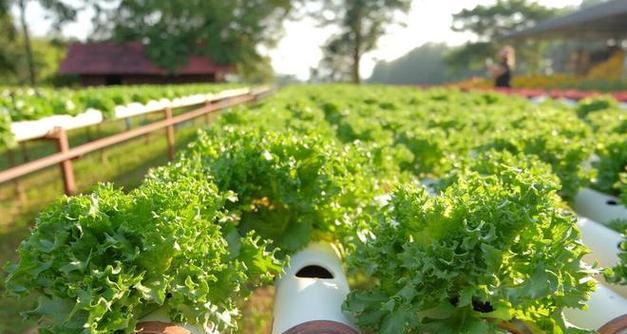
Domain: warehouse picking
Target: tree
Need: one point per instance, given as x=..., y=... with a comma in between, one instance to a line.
x=7, y=39
x=361, y=23
x=27, y=42
x=47, y=55
x=337, y=63
x=491, y=23
x=22, y=58
x=60, y=11
x=229, y=32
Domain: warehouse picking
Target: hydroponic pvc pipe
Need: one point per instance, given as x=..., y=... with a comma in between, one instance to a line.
x=604, y=305
x=602, y=241
x=310, y=294
x=25, y=130
x=598, y=206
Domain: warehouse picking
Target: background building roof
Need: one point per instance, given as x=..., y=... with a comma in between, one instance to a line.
x=605, y=20
x=126, y=58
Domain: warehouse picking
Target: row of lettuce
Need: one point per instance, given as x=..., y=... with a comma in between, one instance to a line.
x=27, y=104
x=490, y=244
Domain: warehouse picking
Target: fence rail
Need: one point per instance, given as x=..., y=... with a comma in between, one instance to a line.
x=65, y=153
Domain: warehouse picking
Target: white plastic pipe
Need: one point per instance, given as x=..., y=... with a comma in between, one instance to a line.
x=598, y=206
x=602, y=241
x=568, y=102
x=24, y=130
x=588, y=165
x=538, y=99
x=136, y=108
x=233, y=92
x=604, y=305
x=303, y=299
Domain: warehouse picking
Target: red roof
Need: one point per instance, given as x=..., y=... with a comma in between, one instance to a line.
x=126, y=58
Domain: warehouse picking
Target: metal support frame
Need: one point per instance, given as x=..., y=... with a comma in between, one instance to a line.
x=65, y=153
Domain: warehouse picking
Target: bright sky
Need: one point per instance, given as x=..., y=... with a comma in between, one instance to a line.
x=299, y=49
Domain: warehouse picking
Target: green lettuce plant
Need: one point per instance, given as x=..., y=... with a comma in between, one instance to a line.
x=100, y=262
x=493, y=249
x=291, y=188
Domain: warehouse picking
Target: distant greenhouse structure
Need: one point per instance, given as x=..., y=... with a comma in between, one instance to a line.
x=607, y=20
x=602, y=28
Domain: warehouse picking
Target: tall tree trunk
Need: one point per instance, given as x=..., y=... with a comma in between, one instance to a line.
x=357, y=49
x=27, y=44
x=356, y=62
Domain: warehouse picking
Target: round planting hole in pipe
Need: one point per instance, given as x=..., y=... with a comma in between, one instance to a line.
x=314, y=271
x=483, y=307
x=611, y=202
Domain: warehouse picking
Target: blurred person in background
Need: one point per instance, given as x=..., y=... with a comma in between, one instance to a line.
x=501, y=73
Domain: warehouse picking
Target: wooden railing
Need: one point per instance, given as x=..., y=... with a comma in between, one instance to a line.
x=65, y=153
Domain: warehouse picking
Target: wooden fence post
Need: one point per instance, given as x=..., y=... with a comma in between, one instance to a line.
x=60, y=136
x=170, y=133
